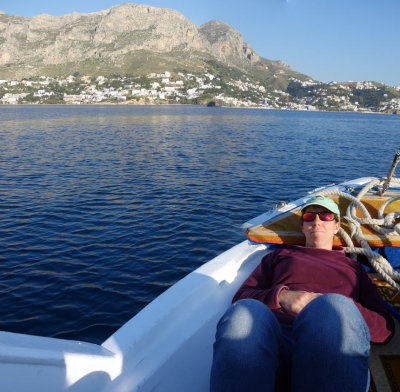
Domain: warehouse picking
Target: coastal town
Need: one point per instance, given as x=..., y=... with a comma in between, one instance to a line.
x=189, y=88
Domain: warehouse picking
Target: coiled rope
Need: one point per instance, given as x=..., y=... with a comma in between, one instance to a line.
x=383, y=225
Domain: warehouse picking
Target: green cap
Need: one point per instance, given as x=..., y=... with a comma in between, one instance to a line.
x=323, y=201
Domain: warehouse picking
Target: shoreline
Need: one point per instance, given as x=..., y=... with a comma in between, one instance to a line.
x=189, y=104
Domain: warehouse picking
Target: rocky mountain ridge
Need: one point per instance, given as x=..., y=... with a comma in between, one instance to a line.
x=128, y=38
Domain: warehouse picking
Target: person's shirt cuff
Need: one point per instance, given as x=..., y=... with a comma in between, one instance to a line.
x=277, y=292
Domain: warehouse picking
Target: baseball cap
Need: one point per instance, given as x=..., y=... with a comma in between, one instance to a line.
x=323, y=201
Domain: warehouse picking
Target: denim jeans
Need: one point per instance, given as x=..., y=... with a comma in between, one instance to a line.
x=326, y=349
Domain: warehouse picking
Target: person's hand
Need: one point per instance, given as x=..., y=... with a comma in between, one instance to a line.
x=295, y=301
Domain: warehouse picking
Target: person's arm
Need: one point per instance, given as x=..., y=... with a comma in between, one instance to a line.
x=259, y=284
x=374, y=310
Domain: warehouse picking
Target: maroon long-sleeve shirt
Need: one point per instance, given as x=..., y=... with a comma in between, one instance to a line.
x=319, y=271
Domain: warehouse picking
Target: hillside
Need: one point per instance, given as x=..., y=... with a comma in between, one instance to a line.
x=140, y=54
x=128, y=39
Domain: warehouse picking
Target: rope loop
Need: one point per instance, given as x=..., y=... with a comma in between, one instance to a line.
x=384, y=224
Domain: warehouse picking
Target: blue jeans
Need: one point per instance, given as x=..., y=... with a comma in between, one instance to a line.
x=326, y=349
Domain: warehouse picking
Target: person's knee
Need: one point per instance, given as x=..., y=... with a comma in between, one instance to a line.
x=334, y=317
x=243, y=318
x=338, y=302
x=327, y=305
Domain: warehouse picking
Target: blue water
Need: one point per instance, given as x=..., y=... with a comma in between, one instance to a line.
x=102, y=208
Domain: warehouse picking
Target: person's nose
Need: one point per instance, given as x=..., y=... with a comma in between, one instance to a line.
x=317, y=220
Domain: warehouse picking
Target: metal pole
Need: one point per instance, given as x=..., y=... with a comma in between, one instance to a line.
x=396, y=160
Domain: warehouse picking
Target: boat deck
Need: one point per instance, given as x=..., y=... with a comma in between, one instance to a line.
x=385, y=365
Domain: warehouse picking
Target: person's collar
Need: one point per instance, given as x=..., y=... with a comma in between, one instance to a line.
x=335, y=248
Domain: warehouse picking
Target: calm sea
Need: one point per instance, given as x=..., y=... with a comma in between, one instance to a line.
x=102, y=208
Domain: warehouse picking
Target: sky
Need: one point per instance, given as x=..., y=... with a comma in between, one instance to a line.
x=329, y=40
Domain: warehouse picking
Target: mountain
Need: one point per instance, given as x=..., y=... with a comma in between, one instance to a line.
x=129, y=39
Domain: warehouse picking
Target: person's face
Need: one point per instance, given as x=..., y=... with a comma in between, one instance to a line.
x=318, y=233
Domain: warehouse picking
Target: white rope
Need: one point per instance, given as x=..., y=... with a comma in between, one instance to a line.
x=383, y=225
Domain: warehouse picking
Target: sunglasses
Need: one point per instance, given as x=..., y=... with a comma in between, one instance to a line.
x=325, y=216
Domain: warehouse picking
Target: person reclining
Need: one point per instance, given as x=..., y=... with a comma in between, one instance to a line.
x=304, y=319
